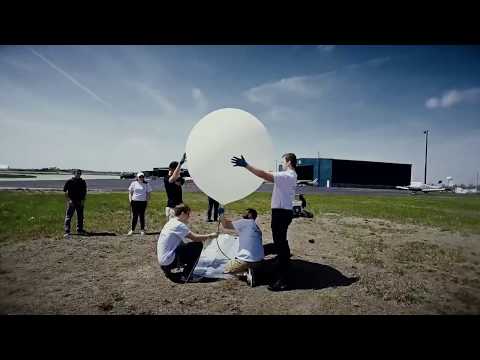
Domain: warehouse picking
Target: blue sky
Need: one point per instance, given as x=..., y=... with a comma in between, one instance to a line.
x=132, y=107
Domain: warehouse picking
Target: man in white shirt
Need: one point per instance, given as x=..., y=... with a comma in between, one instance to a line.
x=250, y=249
x=284, y=184
x=178, y=246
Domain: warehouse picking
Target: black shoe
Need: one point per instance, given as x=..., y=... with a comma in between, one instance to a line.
x=279, y=285
x=82, y=232
x=209, y=220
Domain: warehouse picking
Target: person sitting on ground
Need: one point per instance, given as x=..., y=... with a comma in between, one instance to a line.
x=250, y=249
x=138, y=196
x=178, y=246
x=173, y=186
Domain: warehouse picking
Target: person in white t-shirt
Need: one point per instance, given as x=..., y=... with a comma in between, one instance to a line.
x=177, y=246
x=138, y=196
x=250, y=249
x=284, y=184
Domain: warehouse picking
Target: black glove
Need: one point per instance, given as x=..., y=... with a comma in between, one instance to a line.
x=184, y=158
x=239, y=161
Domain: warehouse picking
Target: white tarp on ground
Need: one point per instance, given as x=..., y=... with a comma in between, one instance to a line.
x=212, y=262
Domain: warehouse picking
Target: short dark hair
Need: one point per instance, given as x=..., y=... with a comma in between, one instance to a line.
x=173, y=165
x=182, y=208
x=79, y=171
x=292, y=158
x=252, y=212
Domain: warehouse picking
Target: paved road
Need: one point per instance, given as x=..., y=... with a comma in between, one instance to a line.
x=157, y=185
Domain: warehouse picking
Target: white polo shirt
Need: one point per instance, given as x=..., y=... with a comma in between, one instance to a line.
x=250, y=246
x=171, y=236
x=139, y=190
x=284, y=184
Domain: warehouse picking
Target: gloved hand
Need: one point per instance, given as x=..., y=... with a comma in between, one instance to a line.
x=184, y=158
x=239, y=161
x=221, y=211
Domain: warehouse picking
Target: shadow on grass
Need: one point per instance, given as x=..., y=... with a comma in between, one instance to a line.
x=176, y=278
x=303, y=274
x=307, y=275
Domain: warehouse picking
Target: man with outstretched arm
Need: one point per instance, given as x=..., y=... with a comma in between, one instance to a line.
x=173, y=186
x=284, y=184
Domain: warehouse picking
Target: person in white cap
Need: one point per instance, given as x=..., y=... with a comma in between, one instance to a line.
x=138, y=196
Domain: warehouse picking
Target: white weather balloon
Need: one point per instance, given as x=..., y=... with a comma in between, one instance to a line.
x=214, y=140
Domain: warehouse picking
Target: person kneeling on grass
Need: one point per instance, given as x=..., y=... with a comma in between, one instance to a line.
x=177, y=246
x=250, y=249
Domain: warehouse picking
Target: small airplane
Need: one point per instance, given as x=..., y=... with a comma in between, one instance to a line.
x=307, y=182
x=417, y=186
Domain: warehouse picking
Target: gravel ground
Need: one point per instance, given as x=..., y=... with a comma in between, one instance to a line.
x=339, y=266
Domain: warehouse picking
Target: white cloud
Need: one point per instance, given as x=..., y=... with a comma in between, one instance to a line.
x=156, y=96
x=301, y=86
x=370, y=63
x=307, y=87
x=432, y=103
x=70, y=77
x=454, y=97
x=199, y=98
x=326, y=48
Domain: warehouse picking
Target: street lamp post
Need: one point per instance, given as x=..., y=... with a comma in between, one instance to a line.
x=426, y=155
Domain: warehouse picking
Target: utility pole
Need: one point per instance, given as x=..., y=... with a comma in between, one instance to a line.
x=426, y=155
x=318, y=168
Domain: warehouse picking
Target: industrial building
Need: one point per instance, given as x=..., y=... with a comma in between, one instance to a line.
x=353, y=173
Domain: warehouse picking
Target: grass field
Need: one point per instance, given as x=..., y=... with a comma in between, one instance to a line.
x=37, y=215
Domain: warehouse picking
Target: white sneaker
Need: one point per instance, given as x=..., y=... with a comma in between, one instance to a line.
x=250, y=278
x=142, y=232
x=130, y=233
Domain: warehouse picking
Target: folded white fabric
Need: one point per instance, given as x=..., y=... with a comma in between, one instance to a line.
x=212, y=261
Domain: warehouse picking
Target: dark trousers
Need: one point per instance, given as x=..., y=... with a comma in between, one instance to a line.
x=212, y=204
x=138, y=210
x=74, y=205
x=281, y=219
x=185, y=255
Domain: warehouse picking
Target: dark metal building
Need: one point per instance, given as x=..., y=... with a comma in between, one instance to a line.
x=353, y=173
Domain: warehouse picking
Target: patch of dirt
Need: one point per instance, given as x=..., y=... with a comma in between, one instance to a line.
x=340, y=265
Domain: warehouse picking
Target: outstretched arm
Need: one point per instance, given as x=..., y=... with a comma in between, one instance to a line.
x=257, y=172
x=227, y=224
x=176, y=172
x=197, y=238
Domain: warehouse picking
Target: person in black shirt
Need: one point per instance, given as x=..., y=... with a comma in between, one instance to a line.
x=173, y=186
x=212, y=204
x=75, y=192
